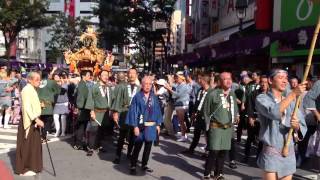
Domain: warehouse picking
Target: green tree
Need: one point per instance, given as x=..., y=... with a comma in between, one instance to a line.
x=124, y=22
x=17, y=15
x=65, y=33
x=114, y=22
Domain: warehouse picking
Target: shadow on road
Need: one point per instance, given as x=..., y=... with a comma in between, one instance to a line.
x=12, y=157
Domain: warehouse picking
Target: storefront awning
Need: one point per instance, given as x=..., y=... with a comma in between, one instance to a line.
x=221, y=36
x=249, y=46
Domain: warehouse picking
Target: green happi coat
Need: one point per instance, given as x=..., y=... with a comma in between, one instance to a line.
x=223, y=110
x=100, y=100
x=82, y=92
x=123, y=93
x=47, y=92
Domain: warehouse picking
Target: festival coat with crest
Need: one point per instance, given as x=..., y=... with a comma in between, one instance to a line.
x=216, y=109
x=122, y=100
x=97, y=101
x=140, y=111
x=47, y=92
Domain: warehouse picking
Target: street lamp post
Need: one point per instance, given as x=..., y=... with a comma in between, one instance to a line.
x=241, y=6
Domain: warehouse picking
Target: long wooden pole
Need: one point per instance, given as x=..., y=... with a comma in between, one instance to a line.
x=285, y=150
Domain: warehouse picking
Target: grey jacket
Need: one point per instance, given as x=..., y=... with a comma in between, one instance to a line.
x=181, y=94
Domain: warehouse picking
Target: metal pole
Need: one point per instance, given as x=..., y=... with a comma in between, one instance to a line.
x=240, y=25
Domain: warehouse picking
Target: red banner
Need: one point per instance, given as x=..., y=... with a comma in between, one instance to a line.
x=69, y=7
x=263, y=14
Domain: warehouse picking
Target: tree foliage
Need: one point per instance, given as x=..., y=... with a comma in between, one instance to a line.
x=17, y=15
x=65, y=33
x=124, y=22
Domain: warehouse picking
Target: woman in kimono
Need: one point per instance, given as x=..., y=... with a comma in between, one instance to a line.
x=275, y=116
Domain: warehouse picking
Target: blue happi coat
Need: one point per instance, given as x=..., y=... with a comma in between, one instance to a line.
x=273, y=133
x=140, y=112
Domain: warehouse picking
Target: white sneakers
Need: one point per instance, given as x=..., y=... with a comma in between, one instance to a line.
x=183, y=138
x=29, y=173
x=6, y=127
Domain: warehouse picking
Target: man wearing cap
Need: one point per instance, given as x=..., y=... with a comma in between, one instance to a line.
x=220, y=112
x=123, y=94
x=275, y=116
x=99, y=102
x=181, y=97
x=163, y=95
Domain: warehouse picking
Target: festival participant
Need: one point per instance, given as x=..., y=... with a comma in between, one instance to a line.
x=82, y=92
x=275, y=116
x=6, y=88
x=29, y=148
x=61, y=107
x=220, y=111
x=47, y=92
x=181, y=98
x=145, y=117
x=253, y=124
x=197, y=116
x=123, y=94
x=99, y=102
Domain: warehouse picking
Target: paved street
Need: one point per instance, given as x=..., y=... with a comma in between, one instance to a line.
x=166, y=160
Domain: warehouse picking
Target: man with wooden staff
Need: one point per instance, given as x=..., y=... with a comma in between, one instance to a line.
x=123, y=94
x=275, y=116
x=99, y=102
x=220, y=111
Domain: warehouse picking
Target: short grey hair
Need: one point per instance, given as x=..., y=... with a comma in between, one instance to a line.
x=32, y=74
x=146, y=78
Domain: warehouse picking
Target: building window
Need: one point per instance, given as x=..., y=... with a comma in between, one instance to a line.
x=52, y=12
x=86, y=12
x=88, y=0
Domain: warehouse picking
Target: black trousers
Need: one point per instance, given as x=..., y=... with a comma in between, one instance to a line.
x=232, y=152
x=81, y=125
x=95, y=136
x=303, y=145
x=80, y=132
x=125, y=132
x=198, y=128
x=136, y=151
x=215, y=159
x=47, y=120
x=253, y=133
x=241, y=125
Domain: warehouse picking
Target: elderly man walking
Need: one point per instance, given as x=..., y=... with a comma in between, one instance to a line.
x=29, y=149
